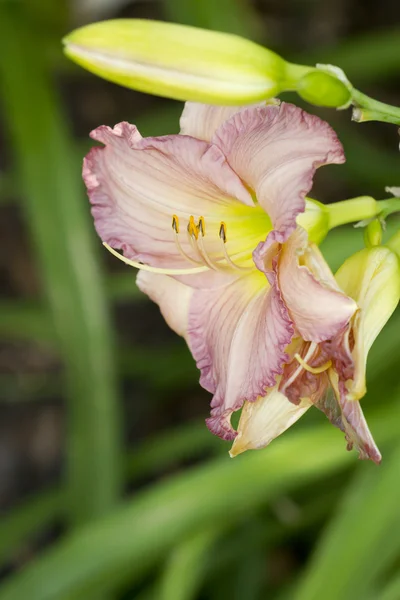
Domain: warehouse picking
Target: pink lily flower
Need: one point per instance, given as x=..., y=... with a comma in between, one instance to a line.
x=330, y=374
x=210, y=218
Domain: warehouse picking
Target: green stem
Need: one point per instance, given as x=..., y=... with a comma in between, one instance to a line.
x=360, y=209
x=350, y=211
x=368, y=109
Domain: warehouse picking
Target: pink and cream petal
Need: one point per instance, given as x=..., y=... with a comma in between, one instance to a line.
x=357, y=432
x=276, y=150
x=137, y=184
x=202, y=120
x=349, y=418
x=265, y=419
x=315, y=303
x=238, y=334
x=173, y=298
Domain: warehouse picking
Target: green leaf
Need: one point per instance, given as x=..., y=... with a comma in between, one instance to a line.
x=57, y=214
x=186, y=566
x=361, y=540
x=27, y=519
x=139, y=533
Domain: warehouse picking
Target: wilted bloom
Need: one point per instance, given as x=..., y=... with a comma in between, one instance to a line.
x=188, y=63
x=197, y=212
x=331, y=374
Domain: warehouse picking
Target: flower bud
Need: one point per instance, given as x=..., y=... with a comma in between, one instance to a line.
x=322, y=89
x=181, y=62
x=315, y=220
x=372, y=278
x=373, y=234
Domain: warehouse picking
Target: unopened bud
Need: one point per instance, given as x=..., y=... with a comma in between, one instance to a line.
x=322, y=89
x=177, y=61
x=372, y=278
x=373, y=234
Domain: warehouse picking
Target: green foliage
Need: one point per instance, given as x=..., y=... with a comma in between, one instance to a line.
x=64, y=243
x=193, y=524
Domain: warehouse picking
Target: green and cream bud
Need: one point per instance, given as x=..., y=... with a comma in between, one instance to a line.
x=181, y=62
x=372, y=278
x=323, y=89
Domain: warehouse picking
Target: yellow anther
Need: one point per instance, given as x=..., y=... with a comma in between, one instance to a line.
x=222, y=232
x=314, y=370
x=201, y=226
x=175, y=223
x=192, y=228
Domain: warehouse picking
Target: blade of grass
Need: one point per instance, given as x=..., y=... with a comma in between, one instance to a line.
x=26, y=320
x=27, y=519
x=146, y=459
x=186, y=566
x=390, y=592
x=361, y=540
x=30, y=320
x=140, y=532
x=59, y=220
x=153, y=455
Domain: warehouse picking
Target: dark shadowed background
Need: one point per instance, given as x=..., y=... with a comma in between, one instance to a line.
x=111, y=487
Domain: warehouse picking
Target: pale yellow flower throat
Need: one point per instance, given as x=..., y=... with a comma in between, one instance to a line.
x=195, y=234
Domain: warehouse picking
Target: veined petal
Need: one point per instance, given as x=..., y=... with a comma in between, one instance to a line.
x=276, y=150
x=238, y=334
x=178, y=61
x=349, y=418
x=202, y=120
x=372, y=278
x=266, y=418
x=137, y=184
x=317, y=306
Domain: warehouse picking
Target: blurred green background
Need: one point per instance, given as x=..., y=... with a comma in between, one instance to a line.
x=111, y=487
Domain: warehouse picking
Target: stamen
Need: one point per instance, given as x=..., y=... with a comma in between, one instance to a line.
x=192, y=228
x=223, y=238
x=175, y=223
x=175, y=227
x=198, y=243
x=192, y=234
x=144, y=267
x=201, y=226
x=207, y=259
x=314, y=370
x=222, y=232
x=297, y=371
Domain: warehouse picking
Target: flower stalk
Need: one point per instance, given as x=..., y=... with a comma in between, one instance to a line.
x=362, y=208
x=368, y=109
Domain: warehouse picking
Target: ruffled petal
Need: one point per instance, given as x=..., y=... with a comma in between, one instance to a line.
x=202, y=120
x=266, y=418
x=172, y=296
x=315, y=303
x=276, y=150
x=349, y=418
x=238, y=334
x=137, y=184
